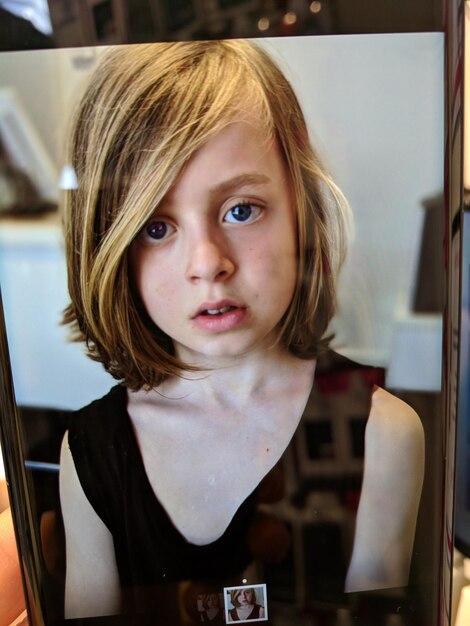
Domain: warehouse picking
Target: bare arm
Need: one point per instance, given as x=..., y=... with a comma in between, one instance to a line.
x=391, y=490
x=92, y=582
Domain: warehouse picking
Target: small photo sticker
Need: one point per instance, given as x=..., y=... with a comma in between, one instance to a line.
x=247, y=603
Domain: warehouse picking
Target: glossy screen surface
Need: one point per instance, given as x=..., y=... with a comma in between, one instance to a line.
x=374, y=111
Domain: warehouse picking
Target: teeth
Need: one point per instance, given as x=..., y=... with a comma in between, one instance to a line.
x=219, y=311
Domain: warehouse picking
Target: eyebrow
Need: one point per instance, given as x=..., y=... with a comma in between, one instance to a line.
x=227, y=186
x=241, y=180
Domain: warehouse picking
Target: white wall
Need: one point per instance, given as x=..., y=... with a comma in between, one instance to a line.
x=376, y=113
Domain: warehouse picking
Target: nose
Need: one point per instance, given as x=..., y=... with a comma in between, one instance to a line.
x=208, y=259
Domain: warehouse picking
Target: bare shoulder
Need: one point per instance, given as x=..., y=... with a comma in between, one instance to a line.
x=92, y=584
x=74, y=503
x=79, y=516
x=394, y=447
x=390, y=495
x=67, y=466
x=392, y=422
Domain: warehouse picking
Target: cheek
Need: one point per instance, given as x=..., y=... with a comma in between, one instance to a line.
x=155, y=284
x=277, y=266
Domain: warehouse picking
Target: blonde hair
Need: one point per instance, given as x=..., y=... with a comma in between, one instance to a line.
x=145, y=112
x=235, y=593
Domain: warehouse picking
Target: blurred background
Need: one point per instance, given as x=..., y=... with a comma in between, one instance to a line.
x=58, y=23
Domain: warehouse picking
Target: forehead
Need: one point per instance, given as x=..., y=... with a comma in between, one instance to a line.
x=248, y=137
x=241, y=154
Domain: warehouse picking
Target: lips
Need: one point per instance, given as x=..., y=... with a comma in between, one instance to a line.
x=220, y=316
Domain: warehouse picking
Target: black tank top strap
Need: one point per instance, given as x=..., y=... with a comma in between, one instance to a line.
x=96, y=443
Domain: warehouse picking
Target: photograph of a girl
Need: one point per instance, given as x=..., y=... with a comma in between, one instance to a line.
x=204, y=242
x=246, y=606
x=211, y=609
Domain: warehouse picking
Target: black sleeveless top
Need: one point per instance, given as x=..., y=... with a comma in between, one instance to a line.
x=148, y=546
x=252, y=616
x=288, y=506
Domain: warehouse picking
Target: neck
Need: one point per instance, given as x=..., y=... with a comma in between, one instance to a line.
x=239, y=380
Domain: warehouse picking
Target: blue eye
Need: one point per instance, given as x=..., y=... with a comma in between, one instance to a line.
x=242, y=213
x=156, y=231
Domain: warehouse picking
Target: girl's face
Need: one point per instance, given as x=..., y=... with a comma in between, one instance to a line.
x=245, y=597
x=216, y=265
x=213, y=601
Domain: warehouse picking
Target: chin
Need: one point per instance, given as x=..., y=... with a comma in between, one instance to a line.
x=220, y=350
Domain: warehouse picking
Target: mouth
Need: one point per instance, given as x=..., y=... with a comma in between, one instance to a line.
x=215, y=312
x=221, y=316
x=217, y=309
